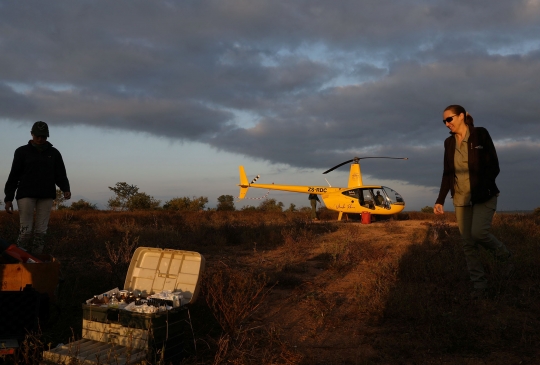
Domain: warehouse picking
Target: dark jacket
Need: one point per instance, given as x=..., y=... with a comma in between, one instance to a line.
x=34, y=174
x=314, y=197
x=483, y=166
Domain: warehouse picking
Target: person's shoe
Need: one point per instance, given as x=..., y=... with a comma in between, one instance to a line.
x=504, y=257
x=478, y=294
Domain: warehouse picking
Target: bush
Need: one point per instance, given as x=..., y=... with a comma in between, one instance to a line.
x=128, y=197
x=271, y=205
x=225, y=203
x=82, y=205
x=427, y=209
x=123, y=192
x=186, y=204
x=142, y=201
x=292, y=208
x=229, y=310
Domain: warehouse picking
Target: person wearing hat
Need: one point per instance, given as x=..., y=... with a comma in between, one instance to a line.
x=36, y=171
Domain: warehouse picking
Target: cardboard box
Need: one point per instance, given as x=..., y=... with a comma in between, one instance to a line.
x=151, y=335
x=25, y=292
x=43, y=276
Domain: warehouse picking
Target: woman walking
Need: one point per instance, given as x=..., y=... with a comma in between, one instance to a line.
x=470, y=169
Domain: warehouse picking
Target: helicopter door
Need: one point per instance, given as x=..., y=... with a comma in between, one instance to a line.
x=367, y=200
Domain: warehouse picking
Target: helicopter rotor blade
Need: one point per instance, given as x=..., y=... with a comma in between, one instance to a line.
x=362, y=158
x=392, y=158
x=335, y=167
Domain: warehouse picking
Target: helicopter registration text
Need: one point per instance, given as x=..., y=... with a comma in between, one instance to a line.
x=316, y=190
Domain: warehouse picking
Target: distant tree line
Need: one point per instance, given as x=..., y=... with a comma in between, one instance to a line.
x=128, y=198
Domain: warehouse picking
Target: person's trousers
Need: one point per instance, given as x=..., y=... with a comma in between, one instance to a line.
x=474, y=223
x=313, y=209
x=26, y=207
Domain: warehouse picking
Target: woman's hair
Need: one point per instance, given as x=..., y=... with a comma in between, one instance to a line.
x=458, y=109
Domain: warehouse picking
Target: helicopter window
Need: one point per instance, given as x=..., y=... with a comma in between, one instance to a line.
x=352, y=193
x=379, y=197
x=367, y=198
x=393, y=196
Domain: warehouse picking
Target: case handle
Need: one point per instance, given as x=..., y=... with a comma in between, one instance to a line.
x=173, y=276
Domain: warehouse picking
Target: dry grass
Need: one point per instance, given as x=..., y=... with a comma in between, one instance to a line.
x=280, y=289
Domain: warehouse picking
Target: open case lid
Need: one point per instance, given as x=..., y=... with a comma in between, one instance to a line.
x=153, y=270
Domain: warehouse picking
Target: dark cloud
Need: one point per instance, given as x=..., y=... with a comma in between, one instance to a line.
x=15, y=105
x=322, y=81
x=405, y=107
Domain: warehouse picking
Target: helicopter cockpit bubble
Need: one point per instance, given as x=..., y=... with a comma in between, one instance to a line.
x=393, y=196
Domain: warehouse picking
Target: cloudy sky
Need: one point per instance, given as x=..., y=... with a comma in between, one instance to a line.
x=173, y=95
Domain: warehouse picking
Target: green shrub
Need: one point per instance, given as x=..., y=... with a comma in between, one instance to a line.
x=271, y=205
x=142, y=201
x=225, y=203
x=82, y=205
x=186, y=204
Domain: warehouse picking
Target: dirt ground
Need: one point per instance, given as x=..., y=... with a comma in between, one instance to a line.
x=338, y=299
x=317, y=309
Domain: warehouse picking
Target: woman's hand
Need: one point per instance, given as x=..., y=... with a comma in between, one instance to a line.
x=438, y=209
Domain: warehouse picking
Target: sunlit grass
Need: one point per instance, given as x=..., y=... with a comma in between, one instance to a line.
x=405, y=278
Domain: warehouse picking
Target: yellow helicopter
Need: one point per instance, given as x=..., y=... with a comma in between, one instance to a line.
x=355, y=198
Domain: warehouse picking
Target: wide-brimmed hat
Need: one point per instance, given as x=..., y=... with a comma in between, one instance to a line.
x=40, y=129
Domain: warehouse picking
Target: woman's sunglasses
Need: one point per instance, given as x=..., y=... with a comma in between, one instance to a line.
x=449, y=119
